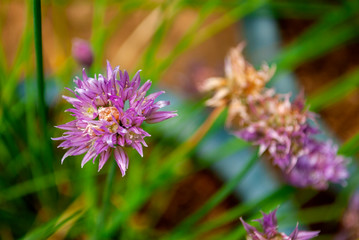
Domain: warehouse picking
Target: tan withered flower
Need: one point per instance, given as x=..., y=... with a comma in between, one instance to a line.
x=241, y=80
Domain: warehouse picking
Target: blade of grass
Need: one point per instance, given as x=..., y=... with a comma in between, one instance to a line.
x=100, y=223
x=319, y=214
x=350, y=147
x=332, y=30
x=334, y=92
x=185, y=40
x=39, y=64
x=98, y=36
x=299, y=9
x=76, y=206
x=218, y=197
x=268, y=202
x=45, y=231
x=244, y=8
x=169, y=11
x=316, y=46
x=36, y=184
x=141, y=35
x=42, y=109
x=331, y=19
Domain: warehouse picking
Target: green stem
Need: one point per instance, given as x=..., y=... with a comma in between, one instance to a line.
x=47, y=151
x=39, y=63
x=106, y=201
x=46, y=165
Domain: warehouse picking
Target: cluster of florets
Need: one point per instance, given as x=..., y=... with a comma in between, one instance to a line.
x=241, y=80
x=278, y=126
x=270, y=230
x=108, y=115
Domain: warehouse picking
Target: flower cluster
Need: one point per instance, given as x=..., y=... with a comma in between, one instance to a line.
x=270, y=230
x=278, y=126
x=108, y=115
x=241, y=80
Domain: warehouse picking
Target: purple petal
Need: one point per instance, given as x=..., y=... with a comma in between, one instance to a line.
x=138, y=147
x=103, y=158
x=160, y=116
x=109, y=70
x=121, y=159
x=88, y=156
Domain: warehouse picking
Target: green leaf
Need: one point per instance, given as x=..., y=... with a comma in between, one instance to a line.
x=334, y=91
x=300, y=9
x=350, y=147
x=37, y=184
x=335, y=28
x=45, y=231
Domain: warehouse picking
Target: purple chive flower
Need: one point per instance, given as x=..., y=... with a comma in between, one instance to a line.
x=318, y=166
x=82, y=52
x=271, y=121
x=281, y=129
x=270, y=230
x=103, y=123
x=276, y=126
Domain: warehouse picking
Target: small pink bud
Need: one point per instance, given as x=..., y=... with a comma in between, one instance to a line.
x=82, y=52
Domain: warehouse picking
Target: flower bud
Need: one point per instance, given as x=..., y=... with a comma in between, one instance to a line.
x=82, y=52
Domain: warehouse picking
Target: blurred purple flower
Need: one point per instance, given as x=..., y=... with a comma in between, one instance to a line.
x=281, y=128
x=103, y=123
x=82, y=52
x=271, y=121
x=318, y=166
x=270, y=230
x=276, y=126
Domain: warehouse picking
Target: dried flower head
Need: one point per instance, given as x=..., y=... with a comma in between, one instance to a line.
x=108, y=115
x=82, y=52
x=241, y=80
x=278, y=126
x=270, y=230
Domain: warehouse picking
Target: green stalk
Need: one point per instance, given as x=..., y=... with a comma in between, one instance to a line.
x=48, y=154
x=39, y=64
x=106, y=201
x=45, y=163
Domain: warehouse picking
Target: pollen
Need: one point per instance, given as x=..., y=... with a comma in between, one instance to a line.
x=106, y=113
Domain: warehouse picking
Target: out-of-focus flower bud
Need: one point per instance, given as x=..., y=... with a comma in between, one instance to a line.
x=82, y=52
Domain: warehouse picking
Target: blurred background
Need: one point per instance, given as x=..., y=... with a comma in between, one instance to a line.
x=177, y=44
